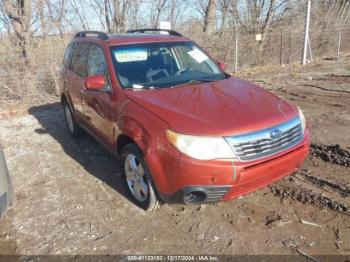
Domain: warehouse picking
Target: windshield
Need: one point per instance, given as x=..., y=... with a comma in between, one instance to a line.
x=163, y=65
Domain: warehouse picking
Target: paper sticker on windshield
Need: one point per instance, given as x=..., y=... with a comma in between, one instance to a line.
x=131, y=55
x=198, y=55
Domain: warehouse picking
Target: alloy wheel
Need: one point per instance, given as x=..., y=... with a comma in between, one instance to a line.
x=136, y=178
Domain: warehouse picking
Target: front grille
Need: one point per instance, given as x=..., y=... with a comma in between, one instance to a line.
x=253, y=146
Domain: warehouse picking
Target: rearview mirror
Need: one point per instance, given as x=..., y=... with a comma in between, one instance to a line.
x=96, y=82
x=221, y=65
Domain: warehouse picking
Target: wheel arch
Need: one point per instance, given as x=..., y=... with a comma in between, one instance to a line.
x=66, y=98
x=63, y=98
x=122, y=141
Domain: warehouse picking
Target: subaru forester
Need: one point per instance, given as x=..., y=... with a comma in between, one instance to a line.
x=184, y=130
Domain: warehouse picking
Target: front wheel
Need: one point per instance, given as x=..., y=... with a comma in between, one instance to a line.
x=138, y=178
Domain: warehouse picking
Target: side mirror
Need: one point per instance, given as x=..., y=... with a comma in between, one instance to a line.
x=96, y=82
x=221, y=65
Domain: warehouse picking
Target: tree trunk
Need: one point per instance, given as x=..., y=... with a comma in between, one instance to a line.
x=19, y=13
x=41, y=5
x=116, y=16
x=108, y=21
x=210, y=17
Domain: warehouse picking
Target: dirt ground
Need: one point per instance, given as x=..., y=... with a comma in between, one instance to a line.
x=70, y=199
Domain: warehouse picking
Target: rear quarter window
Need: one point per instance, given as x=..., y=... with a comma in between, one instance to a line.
x=68, y=55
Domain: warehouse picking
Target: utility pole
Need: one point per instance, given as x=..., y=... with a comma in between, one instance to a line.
x=339, y=43
x=307, y=27
x=236, y=53
x=236, y=48
x=281, y=49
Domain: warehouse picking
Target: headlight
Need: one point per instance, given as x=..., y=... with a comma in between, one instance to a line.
x=199, y=147
x=302, y=119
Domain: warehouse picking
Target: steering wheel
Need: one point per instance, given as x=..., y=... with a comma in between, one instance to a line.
x=181, y=71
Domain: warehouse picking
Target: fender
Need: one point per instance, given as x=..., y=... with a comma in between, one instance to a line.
x=148, y=131
x=149, y=134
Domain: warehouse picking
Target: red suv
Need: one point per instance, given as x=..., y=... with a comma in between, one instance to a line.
x=184, y=130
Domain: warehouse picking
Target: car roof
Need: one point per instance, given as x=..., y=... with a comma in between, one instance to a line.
x=130, y=38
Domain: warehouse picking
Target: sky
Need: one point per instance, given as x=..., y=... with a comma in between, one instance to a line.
x=187, y=11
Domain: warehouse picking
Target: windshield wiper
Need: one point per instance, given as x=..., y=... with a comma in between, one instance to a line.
x=195, y=81
x=140, y=87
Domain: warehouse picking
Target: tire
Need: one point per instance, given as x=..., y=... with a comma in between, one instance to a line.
x=138, y=179
x=73, y=128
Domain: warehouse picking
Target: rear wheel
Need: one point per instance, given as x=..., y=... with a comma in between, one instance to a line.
x=138, y=178
x=72, y=124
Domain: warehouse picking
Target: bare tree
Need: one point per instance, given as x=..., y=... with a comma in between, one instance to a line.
x=113, y=14
x=257, y=15
x=175, y=8
x=224, y=6
x=330, y=9
x=116, y=14
x=19, y=14
x=134, y=14
x=42, y=18
x=98, y=7
x=107, y=15
x=344, y=11
x=210, y=17
x=78, y=11
x=157, y=7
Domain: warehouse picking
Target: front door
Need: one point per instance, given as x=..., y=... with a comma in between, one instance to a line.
x=97, y=105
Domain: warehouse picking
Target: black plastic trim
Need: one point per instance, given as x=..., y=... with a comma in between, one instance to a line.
x=170, y=32
x=99, y=34
x=213, y=194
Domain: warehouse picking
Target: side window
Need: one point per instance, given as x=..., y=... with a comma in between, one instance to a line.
x=97, y=62
x=68, y=55
x=80, y=57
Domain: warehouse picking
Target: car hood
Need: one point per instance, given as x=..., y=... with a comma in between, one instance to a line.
x=226, y=107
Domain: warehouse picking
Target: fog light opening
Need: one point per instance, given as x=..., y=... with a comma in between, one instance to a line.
x=194, y=197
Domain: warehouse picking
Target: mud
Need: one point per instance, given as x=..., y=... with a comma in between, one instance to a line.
x=336, y=78
x=343, y=190
x=307, y=196
x=331, y=153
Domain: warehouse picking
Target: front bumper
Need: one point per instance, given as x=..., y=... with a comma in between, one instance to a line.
x=176, y=175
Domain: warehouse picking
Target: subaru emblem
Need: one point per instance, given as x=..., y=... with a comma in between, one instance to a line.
x=275, y=134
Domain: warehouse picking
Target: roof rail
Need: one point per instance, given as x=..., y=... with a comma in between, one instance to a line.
x=170, y=32
x=99, y=34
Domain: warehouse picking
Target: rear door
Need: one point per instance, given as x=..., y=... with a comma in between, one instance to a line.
x=77, y=75
x=97, y=105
